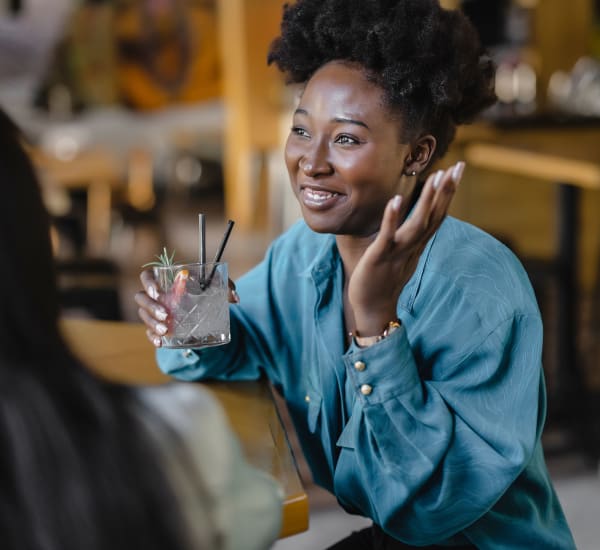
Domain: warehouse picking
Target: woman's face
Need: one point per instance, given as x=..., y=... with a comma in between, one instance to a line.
x=343, y=154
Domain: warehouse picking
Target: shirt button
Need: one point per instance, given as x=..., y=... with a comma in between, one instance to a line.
x=187, y=353
x=360, y=366
x=307, y=398
x=365, y=389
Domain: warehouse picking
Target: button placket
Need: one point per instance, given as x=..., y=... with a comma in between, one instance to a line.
x=360, y=366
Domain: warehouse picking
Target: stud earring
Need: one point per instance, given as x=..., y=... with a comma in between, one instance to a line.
x=408, y=162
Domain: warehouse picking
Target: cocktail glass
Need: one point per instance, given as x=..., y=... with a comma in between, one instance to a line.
x=196, y=296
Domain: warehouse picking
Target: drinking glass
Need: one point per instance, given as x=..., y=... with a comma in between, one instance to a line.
x=196, y=296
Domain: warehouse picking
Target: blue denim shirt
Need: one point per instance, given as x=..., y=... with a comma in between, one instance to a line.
x=436, y=435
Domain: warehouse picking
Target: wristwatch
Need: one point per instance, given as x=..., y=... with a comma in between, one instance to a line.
x=366, y=341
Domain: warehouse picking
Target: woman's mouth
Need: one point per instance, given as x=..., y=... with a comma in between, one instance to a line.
x=318, y=198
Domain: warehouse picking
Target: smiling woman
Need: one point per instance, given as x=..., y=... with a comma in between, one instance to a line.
x=344, y=154
x=407, y=344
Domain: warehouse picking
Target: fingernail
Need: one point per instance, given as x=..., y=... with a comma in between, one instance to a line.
x=161, y=329
x=235, y=296
x=153, y=292
x=458, y=171
x=157, y=342
x=438, y=179
x=396, y=202
x=160, y=313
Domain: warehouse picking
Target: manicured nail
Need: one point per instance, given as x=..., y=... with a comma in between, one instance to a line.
x=235, y=295
x=156, y=341
x=396, y=202
x=457, y=172
x=153, y=292
x=438, y=179
x=160, y=313
x=161, y=329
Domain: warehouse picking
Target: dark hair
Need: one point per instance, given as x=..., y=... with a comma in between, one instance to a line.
x=77, y=469
x=428, y=60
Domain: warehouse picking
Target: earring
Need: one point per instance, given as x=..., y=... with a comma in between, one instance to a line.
x=409, y=161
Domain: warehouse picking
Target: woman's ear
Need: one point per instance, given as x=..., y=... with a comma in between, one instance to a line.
x=421, y=154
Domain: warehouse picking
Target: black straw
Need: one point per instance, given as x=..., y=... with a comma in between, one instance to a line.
x=220, y=250
x=202, y=245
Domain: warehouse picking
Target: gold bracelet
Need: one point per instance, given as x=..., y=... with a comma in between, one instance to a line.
x=366, y=341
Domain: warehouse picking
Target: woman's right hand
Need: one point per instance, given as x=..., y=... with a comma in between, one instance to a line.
x=153, y=313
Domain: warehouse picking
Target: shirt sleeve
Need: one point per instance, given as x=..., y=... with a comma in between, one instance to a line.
x=255, y=332
x=427, y=458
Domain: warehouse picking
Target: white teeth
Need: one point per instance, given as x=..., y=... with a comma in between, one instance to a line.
x=318, y=196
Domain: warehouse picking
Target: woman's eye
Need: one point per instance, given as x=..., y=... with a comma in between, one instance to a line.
x=297, y=130
x=345, y=139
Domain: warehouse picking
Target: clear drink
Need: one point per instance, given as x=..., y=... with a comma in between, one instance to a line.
x=196, y=296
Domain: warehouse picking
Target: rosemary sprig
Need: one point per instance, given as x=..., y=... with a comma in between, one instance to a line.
x=162, y=260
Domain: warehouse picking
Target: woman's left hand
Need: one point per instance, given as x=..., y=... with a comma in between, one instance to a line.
x=391, y=259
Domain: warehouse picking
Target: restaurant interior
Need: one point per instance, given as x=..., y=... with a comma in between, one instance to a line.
x=141, y=114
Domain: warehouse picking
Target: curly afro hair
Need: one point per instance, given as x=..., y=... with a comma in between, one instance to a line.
x=428, y=60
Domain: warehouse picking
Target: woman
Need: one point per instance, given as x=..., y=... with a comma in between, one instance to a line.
x=407, y=344
x=87, y=464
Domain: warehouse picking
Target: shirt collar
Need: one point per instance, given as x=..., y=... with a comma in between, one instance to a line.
x=411, y=290
x=325, y=263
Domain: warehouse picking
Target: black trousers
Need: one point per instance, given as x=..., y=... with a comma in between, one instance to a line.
x=373, y=538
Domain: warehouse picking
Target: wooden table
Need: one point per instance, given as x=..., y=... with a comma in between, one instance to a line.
x=569, y=158
x=120, y=351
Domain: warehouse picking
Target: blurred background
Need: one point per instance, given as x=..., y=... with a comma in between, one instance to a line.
x=143, y=113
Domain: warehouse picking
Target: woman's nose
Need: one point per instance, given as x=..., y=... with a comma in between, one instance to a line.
x=315, y=162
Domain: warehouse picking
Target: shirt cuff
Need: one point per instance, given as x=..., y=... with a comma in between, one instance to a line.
x=384, y=370
x=179, y=363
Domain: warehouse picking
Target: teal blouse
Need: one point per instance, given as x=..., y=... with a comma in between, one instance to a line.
x=434, y=432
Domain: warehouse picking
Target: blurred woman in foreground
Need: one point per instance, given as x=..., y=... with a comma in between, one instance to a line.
x=87, y=464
